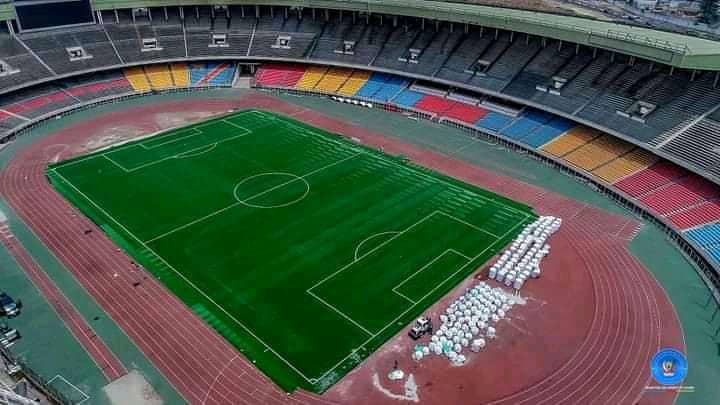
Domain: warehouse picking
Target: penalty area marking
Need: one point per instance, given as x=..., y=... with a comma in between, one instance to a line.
x=357, y=249
x=470, y=261
x=195, y=153
x=250, y=331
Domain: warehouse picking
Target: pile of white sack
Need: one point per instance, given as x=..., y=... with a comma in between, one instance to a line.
x=467, y=322
x=522, y=259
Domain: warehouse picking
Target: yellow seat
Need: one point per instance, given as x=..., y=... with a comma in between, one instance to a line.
x=333, y=80
x=570, y=141
x=137, y=78
x=354, y=83
x=180, y=74
x=625, y=165
x=598, y=152
x=159, y=76
x=311, y=77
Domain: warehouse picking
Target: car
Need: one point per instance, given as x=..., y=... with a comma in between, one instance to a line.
x=8, y=334
x=8, y=306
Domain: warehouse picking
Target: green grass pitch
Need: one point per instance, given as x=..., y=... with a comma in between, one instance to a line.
x=304, y=250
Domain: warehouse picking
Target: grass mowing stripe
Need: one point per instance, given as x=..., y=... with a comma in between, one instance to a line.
x=260, y=275
x=178, y=273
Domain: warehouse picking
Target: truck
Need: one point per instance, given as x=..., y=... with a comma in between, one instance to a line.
x=8, y=306
x=422, y=326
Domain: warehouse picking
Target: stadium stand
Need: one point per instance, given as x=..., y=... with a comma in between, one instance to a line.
x=211, y=74
x=311, y=77
x=180, y=74
x=679, y=195
x=137, y=78
x=653, y=177
x=466, y=113
x=333, y=80
x=706, y=212
x=597, y=152
x=570, y=141
x=494, y=121
x=407, y=98
x=382, y=87
x=159, y=76
x=547, y=132
x=357, y=79
x=601, y=87
x=708, y=238
x=625, y=165
x=276, y=75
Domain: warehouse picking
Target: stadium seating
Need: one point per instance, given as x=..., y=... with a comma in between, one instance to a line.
x=494, y=121
x=407, y=98
x=570, y=141
x=382, y=87
x=700, y=214
x=277, y=75
x=357, y=79
x=211, y=74
x=625, y=165
x=708, y=237
x=159, y=76
x=435, y=104
x=311, y=77
x=137, y=78
x=525, y=124
x=180, y=74
x=647, y=180
x=598, y=152
x=333, y=80
x=600, y=86
x=466, y=113
x=547, y=132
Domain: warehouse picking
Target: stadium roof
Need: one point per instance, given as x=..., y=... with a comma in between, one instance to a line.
x=674, y=49
x=679, y=50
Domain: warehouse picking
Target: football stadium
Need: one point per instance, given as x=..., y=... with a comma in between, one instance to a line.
x=356, y=202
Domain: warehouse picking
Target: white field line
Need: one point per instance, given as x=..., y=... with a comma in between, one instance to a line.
x=134, y=142
x=235, y=204
x=418, y=172
x=72, y=385
x=341, y=269
x=115, y=163
x=191, y=223
x=173, y=138
x=271, y=189
x=340, y=313
x=410, y=300
x=289, y=364
x=430, y=263
x=181, y=154
x=352, y=353
x=469, y=224
x=189, y=282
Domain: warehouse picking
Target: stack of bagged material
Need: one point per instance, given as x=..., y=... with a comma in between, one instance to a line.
x=467, y=323
x=522, y=259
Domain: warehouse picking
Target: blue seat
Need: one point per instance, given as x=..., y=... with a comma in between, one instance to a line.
x=494, y=121
x=548, y=132
x=408, y=98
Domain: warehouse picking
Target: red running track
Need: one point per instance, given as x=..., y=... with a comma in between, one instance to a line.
x=631, y=310
x=105, y=359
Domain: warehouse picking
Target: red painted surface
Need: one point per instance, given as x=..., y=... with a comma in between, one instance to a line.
x=105, y=359
x=602, y=319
